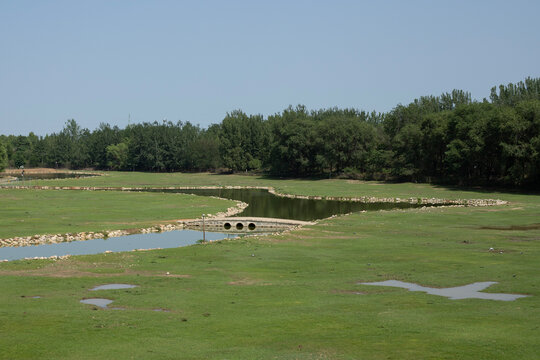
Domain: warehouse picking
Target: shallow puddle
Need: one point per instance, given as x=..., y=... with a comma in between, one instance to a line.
x=471, y=291
x=102, y=303
x=113, y=287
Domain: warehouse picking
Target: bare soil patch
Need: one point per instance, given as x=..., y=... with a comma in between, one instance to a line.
x=513, y=227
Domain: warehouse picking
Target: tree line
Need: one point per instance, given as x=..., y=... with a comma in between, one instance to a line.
x=449, y=138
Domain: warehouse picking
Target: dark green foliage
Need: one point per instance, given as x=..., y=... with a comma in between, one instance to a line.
x=448, y=138
x=243, y=141
x=3, y=157
x=118, y=156
x=511, y=94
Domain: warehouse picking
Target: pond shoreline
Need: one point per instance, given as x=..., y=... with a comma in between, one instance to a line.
x=271, y=190
x=40, y=239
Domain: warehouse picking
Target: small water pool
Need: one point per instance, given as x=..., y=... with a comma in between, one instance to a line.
x=102, y=303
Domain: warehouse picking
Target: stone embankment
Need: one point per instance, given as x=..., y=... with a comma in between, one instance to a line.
x=60, y=238
x=419, y=201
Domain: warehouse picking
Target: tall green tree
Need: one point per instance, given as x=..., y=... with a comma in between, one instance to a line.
x=243, y=141
x=117, y=156
x=3, y=157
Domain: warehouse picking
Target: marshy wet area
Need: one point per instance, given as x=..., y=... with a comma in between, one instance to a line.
x=471, y=291
x=262, y=203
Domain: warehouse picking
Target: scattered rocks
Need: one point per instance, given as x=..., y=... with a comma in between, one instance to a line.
x=54, y=257
x=60, y=238
x=161, y=228
x=420, y=201
x=240, y=206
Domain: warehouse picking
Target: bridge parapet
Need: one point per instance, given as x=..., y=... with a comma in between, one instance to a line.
x=244, y=224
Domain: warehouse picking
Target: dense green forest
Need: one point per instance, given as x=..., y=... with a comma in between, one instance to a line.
x=448, y=138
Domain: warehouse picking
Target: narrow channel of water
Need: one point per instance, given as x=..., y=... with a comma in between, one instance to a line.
x=264, y=204
x=170, y=239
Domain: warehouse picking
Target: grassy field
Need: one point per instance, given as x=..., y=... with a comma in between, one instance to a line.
x=295, y=295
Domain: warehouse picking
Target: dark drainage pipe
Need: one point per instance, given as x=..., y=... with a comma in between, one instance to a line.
x=251, y=226
x=239, y=226
x=227, y=226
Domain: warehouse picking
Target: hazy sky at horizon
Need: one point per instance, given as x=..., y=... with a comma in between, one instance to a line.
x=99, y=61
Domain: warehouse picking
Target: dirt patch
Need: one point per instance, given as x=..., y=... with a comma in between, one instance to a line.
x=501, y=209
x=183, y=276
x=512, y=227
x=523, y=239
x=331, y=232
x=67, y=270
x=56, y=273
x=35, y=171
x=335, y=291
x=249, y=281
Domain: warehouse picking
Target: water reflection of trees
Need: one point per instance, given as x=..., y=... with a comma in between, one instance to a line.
x=264, y=204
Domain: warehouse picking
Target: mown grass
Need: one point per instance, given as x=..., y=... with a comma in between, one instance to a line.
x=296, y=295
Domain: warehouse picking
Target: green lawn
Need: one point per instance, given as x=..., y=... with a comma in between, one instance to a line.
x=292, y=296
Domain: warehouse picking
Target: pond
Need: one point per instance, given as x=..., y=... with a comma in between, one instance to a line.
x=170, y=239
x=262, y=203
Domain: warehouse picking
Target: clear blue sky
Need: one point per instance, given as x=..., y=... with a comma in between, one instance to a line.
x=98, y=61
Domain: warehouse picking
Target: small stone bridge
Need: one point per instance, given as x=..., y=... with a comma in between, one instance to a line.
x=244, y=224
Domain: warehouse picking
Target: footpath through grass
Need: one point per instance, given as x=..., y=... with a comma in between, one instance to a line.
x=296, y=295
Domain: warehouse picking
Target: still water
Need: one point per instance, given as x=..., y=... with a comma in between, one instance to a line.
x=264, y=204
x=162, y=240
x=470, y=291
